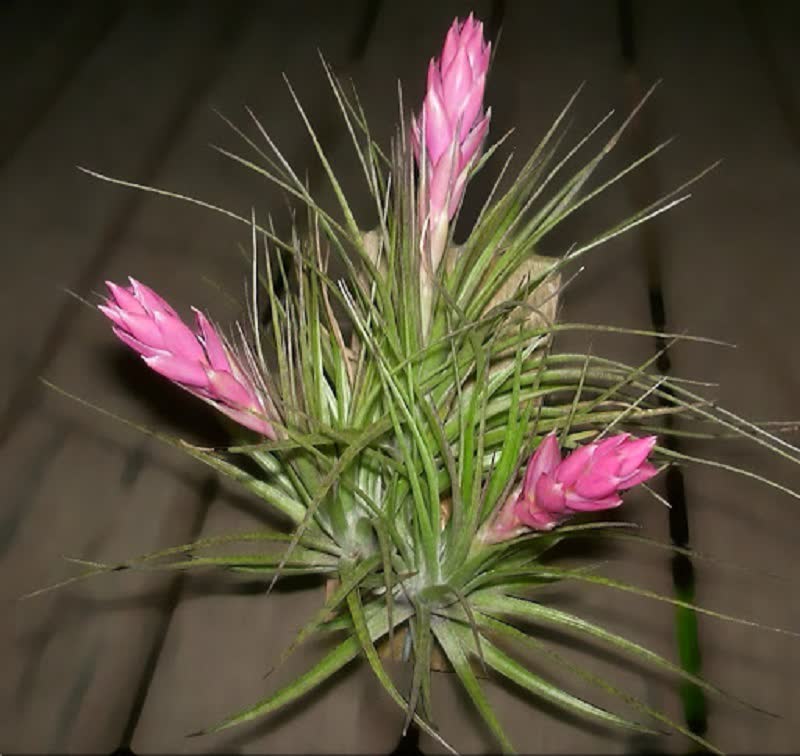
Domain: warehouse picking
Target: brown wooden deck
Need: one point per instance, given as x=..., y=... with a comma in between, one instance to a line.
x=129, y=88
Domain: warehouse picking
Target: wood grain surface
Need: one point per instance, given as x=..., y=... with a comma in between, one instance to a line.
x=130, y=89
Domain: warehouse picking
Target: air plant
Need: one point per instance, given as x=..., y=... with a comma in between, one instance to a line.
x=408, y=417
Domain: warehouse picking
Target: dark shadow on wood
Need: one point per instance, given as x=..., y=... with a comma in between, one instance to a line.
x=642, y=190
x=27, y=390
x=96, y=20
x=206, y=495
x=753, y=13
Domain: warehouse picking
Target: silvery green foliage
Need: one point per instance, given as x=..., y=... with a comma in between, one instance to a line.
x=406, y=401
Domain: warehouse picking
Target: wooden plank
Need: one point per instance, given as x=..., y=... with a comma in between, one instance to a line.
x=729, y=268
x=44, y=46
x=84, y=220
x=73, y=660
x=773, y=30
x=76, y=662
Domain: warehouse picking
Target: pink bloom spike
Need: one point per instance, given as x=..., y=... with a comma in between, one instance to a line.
x=197, y=361
x=453, y=123
x=587, y=480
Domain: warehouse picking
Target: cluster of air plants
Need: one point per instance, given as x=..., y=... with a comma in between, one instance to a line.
x=411, y=419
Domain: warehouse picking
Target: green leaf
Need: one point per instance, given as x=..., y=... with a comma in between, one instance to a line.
x=521, y=609
x=348, y=581
x=599, y=682
x=366, y=641
x=554, y=572
x=269, y=493
x=331, y=663
x=364, y=439
x=423, y=646
x=321, y=671
x=447, y=633
x=514, y=671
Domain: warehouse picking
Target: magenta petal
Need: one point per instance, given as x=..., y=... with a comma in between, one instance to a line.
x=227, y=389
x=451, y=43
x=644, y=473
x=151, y=301
x=179, y=338
x=478, y=51
x=611, y=444
x=506, y=520
x=185, y=372
x=470, y=31
x=457, y=82
x=217, y=356
x=480, y=56
x=633, y=453
x=456, y=193
x=574, y=464
x=544, y=460
x=593, y=505
x=242, y=417
x=472, y=34
x=136, y=345
x=549, y=494
x=470, y=107
x=143, y=329
x=249, y=420
x=440, y=182
x=471, y=145
x=523, y=511
x=113, y=313
x=545, y=521
x=125, y=299
x=434, y=82
x=438, y=131
x=595, y=483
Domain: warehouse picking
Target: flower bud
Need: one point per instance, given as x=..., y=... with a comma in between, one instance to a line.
x=449, y=132
x=587, y=480
x=197, y=361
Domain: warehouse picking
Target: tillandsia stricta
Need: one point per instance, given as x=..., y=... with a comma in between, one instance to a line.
x=428, y=445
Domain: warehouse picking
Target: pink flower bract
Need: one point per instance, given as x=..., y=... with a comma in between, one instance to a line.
x=452, y=125
x=589, y=479
x=198, y=361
